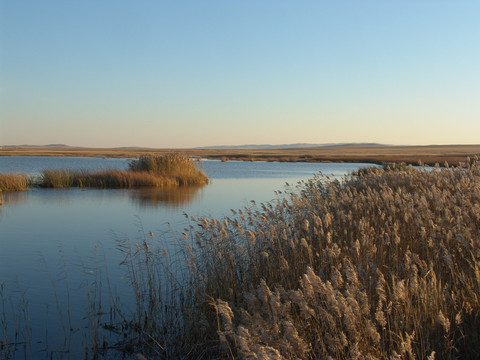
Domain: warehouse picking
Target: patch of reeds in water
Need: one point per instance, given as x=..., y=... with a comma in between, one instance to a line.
x=385, y=265
x=102, y=179
x=183, y=169
x=148, y=171
x=13, y=182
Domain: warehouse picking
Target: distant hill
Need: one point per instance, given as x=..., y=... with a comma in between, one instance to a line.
x=38, y=146
x=283, y=146
x=216, y=147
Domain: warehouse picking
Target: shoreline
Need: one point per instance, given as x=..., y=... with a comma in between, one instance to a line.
x=375, y=154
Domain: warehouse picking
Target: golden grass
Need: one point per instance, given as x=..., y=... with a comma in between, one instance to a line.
x=385, y=265
x=114, y=179
x=378, y=154
x=13, y=182
x=183, y=169
x=148, y=171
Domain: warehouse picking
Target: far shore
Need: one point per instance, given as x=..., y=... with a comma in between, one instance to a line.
x=377, y=154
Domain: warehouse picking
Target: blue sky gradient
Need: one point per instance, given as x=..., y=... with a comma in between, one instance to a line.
x=198, y=73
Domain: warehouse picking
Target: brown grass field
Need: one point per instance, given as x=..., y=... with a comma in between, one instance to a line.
x=379, y=154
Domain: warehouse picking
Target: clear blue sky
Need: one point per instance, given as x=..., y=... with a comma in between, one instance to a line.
x=197, y=73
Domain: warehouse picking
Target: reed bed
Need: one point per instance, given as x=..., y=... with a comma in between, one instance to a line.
x=183, y=169
x=112, y=179
x=148, y=171
x=383, y=265
x=13, y=182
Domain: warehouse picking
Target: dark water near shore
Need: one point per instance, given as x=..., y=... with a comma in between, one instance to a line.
x=53, y=242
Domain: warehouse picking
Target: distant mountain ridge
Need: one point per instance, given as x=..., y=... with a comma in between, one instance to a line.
x=214, y=147
x=38, y=146
x=283, y=146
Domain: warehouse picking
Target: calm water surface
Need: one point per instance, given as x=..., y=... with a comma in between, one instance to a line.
x=52, y=242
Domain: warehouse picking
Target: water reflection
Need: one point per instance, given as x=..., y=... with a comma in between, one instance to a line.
x=174, y=198
x=14, y=197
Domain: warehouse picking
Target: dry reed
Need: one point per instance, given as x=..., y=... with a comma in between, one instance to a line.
x=102, y=179
x=385, y=265
x=13, y=182
x=148, y=171
x=382, y=265
x=179, y=167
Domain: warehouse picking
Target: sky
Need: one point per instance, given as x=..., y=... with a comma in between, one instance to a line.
x=177, y=74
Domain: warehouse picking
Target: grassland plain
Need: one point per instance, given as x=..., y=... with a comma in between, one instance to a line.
x=384, y=265
x=379, y=154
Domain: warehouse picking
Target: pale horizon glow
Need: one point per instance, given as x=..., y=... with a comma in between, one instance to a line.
x=190, y=74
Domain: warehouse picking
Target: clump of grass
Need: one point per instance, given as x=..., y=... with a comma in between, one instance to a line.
x=183, y=169
x=148, y=171
x=384, y=265
x=102, y=179
x=13, y=182
x=57, y=178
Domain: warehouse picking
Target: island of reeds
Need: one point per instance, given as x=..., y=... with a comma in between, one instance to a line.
x=382, y=265
x=155, y=171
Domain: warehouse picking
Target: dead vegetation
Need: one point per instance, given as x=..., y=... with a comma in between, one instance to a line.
x=384, y=266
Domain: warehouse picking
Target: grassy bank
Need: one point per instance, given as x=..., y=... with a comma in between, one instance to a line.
x=147, y=171
x=385, y=265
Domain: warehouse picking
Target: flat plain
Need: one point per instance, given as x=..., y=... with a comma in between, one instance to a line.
x=379, y=154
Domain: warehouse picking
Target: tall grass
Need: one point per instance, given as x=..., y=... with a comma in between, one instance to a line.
x=182, y=168
x=148, y=171
x=102, y=179
x=13, y=182
x=385, y=265
x=382, y=265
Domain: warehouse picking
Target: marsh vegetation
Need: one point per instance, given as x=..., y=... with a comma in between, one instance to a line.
x=148, y=171
x=13, y=182
x=384, y=264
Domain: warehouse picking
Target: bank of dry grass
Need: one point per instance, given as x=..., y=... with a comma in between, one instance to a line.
x=13, y=182
x=147, y=171
x=109, y=179
x=356, y=153
x=383, y=266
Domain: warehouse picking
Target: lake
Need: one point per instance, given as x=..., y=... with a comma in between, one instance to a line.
x=54, y=244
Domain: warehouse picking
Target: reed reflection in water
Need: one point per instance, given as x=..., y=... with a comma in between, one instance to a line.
x=14, y=197
x=175, y=197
